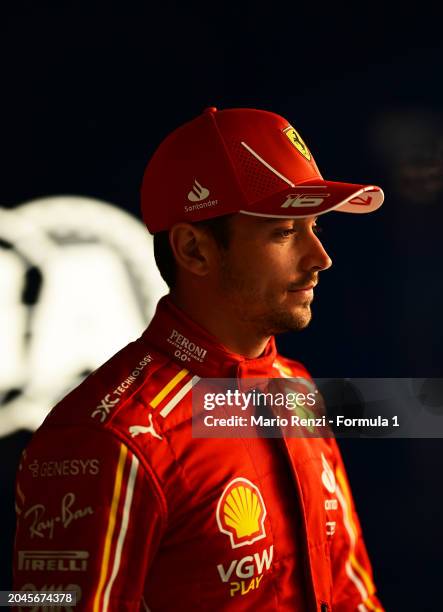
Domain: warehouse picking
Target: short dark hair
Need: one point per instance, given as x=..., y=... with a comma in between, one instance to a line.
x=219, y=229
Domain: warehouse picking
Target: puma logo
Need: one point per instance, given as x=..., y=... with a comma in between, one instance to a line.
x=135, y=430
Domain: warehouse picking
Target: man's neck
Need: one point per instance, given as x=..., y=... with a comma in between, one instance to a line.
x=234, y=335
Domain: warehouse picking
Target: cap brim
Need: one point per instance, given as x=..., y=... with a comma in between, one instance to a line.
x=316, y=197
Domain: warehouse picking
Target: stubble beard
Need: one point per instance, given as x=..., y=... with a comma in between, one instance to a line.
x=282, y=321
x=261, y=312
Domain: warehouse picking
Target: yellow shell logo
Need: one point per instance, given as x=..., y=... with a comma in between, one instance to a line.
x=241, y=513
x=297, y=141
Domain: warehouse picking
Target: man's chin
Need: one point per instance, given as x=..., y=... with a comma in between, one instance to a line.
x=301, y=317
x=294, y=319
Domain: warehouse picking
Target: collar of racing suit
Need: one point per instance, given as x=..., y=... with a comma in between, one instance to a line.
x=172, y=332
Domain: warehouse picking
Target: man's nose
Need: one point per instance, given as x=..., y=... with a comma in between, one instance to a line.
x=316, y=257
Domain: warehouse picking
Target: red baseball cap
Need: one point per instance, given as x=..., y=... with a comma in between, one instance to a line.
x=241, y=160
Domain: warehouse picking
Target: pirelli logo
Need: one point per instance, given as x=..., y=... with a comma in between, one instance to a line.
x=53, y=560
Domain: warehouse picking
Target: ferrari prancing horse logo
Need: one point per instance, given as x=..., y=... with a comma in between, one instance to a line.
x=297, y=141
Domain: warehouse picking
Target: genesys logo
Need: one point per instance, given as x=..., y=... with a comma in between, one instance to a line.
x=304, y=200
x=241, y=513
x=65, y=467
x=185, y=348
x=53, y=560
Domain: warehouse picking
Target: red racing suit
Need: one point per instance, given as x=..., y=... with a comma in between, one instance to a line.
x=117, y=500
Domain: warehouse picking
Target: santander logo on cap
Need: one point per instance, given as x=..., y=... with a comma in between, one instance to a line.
x=257, y=163
x=198, y=192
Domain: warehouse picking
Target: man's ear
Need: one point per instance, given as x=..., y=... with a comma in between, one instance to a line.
x=192, y=248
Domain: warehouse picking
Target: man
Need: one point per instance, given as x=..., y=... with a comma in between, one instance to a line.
x=115, y=497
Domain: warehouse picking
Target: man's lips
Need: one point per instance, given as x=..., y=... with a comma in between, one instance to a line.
x=307, y=288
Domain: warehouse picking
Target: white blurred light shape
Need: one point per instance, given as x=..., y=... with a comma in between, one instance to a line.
x=78, y=320
x=13, y=317
x=100, y=287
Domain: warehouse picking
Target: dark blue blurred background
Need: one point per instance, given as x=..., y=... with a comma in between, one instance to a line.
x=88, y=93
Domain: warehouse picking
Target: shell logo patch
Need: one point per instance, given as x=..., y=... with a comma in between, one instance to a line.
x=297, y=141
x=241, y=513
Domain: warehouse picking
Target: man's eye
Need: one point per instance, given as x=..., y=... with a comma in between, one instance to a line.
x=284, y=233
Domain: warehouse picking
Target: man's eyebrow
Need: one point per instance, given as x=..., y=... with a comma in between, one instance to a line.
x=275, y=219
x=270, y=220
